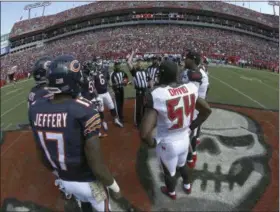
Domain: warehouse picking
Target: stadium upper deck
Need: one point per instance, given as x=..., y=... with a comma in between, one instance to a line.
x=231, y=11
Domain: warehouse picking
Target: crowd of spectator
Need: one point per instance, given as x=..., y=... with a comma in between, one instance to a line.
x=44, y=22
x=118, y=42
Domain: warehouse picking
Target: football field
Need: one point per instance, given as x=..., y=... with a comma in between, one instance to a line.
x=238, y=157
x=232, y=86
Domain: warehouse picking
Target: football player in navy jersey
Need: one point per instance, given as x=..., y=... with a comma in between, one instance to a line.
x=89, y=92
x=66, y=130
x=39, y=72
x=101, y=79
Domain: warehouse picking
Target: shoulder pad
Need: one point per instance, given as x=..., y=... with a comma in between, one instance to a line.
x=194, y=76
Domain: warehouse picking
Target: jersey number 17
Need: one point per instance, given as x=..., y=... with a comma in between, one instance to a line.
x=174, y=113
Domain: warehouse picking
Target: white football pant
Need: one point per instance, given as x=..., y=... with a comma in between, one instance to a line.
x=82, y=192
x=173, y=154
x=106, y=100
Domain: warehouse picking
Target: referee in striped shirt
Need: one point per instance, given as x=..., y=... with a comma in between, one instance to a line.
x=119, y=79
x=141, y=83
x=153, y=71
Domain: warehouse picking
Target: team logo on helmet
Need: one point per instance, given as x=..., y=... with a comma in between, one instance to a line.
x=75, y=66
x=46, y=65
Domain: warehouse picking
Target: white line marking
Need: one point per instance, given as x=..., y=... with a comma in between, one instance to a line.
x=260, y=81
x=254, y=79
x=6, y=100
x=9, y=85
x=7, y=126
x=11, y=109
x=245, y=78
x=238, y=91
x=13, y=142
x=12, y=91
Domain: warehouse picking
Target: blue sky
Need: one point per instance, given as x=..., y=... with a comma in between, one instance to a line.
x=11, y=12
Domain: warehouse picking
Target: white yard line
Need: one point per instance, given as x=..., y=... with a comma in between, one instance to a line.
x=11, y=84
x=11, y=109
x=6, y=100
x=7, y=126
x=254, y=79
x=240, y=92
x=12, y=91
x=268, y=85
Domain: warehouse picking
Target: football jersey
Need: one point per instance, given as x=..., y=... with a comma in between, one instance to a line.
x=88, y=90
x=36, y=93
x=101, y=79
x=61, y=130
x=189, y=76
x=175, y=107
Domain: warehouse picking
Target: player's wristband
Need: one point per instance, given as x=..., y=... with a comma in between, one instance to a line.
x=114, y=187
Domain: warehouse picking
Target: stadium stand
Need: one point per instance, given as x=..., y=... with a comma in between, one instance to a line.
x=42, y=23
x=112, y=29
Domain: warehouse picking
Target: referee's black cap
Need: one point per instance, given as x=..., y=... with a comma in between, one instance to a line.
x=168, y=71
x=193, y=55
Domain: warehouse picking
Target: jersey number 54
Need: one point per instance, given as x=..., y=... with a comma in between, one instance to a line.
x=174, y=113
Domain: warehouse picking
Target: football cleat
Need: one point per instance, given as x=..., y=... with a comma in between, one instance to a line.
x=191, y=164
x=117, y=122
x=194, y=158
x=102, y=135
x=164, y=190
x=187, y=190
x=198, y=141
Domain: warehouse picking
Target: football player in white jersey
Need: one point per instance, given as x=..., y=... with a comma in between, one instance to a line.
x=192, y=64
x=170, y=109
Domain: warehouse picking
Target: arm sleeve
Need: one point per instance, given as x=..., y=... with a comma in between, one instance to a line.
x=90, y=122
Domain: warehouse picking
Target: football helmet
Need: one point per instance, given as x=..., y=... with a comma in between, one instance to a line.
x=40, y=69
x=168, y=71
x=98, y=63
x=65, y=75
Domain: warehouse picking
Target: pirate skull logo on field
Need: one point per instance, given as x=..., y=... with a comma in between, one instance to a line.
x=231, y=166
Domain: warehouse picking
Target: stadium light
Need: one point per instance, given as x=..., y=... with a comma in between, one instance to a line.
x=273, y=4
x=43, y=4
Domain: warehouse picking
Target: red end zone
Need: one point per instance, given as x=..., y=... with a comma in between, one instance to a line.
x=25, y=179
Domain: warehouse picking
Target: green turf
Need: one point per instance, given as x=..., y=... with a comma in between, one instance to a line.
x=243, y=87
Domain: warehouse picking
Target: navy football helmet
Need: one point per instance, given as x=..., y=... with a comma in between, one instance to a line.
x=65, y=75
x=40, y=69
